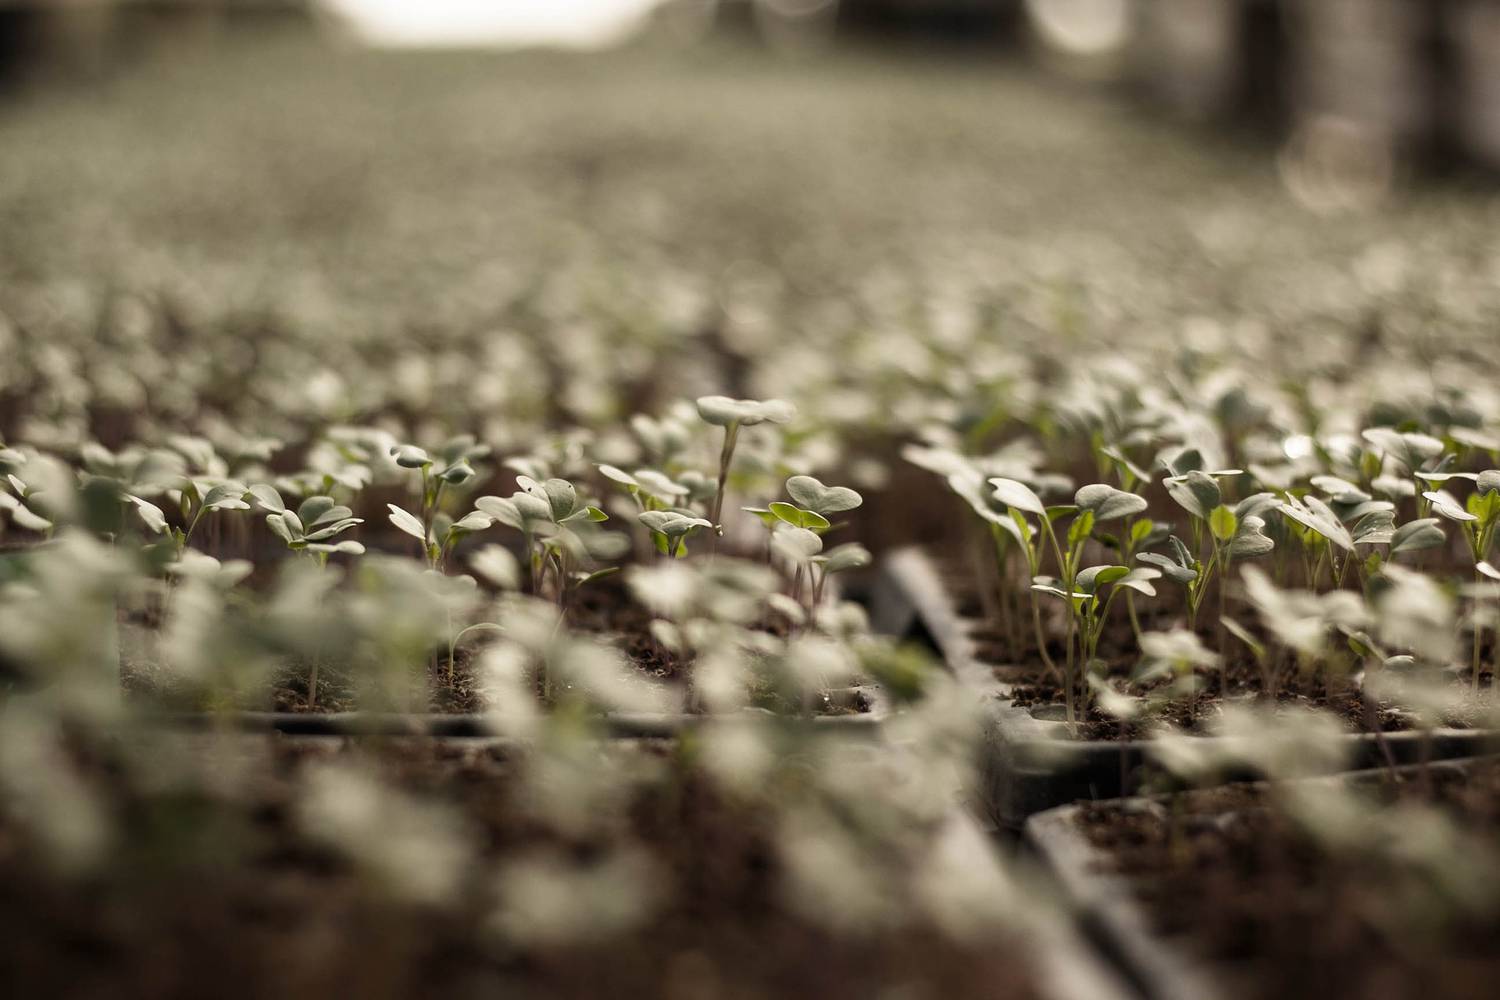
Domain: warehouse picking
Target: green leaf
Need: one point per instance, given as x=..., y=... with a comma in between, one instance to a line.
x=474, y=520
x=1124, y=464
x=407, y=522
x=1139, y=579
x=562, y=498
x=349, y=547
x=619, y=475
x=673, y=524
x=660, y=486
x=226, y=496
x=1223, y=523
x=1107, y=503
x=1196, y=492
x=409, y=456
x=531, y=508
x=1250, y=540
x=329, y=516
x=1017, y=496
x=503, y=510
x=150, y=514
x=1444, y=503
x=799, y=518
x=1411, y=451
x=279, y=528
x=1414, y=536
x=723, y=411
x=330, y=529
x=1080, y=529
x=1257, y=505
x=313, y=508
x=268, y=498
x=1174, y=570
x=1091, y=579
x=1314, y=514
x=1140, y=530
x=765, y=516
x=1484, y=506
x=1023, y=528
x=849, y=556
x=458, y=473
x=797, y=544
x=825, y=500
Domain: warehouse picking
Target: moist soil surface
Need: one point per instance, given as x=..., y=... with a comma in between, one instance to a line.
x=1032, y=686
x=218, y=895
x=1228, y=879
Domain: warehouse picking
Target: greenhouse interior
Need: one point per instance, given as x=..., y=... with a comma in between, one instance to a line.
x=745, y=499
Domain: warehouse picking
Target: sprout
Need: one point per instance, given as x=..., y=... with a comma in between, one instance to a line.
x=820, y=499
x=732, y=414
x=670, y=529
x=561, y=533
x=314, y=525
x=436, y=531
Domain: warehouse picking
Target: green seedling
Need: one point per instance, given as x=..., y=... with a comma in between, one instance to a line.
x=670, y=529
x=1227, y=533
x=199, y=497
x=1096, y=588
x=1478, y=519
x=732, y=415
x=437, y=532
x=561, y=534
x=313, y=527
x=1109, y=504
x=816, y=502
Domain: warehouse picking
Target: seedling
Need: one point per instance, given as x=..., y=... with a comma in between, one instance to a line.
x=670, y=530
x=561, y=534
x=199, y=497
x=1078, y=588
x=733, y=414
x=1478, y=519
x=313, y=527
x=436, y=531
x=1228, y=533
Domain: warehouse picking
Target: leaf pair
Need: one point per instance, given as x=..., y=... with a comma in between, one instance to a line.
x=312, y=526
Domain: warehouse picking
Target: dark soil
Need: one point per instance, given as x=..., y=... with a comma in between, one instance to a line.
x=1232, y=880
x=1032, y=686
x=242, y=906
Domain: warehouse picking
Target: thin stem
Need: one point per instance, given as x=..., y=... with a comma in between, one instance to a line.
x=1474, y=660
x=726, y=455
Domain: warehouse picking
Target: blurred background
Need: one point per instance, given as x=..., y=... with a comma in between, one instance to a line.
x=1415, y=77
x=324, y=191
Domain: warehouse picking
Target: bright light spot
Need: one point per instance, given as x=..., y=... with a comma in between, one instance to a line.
x=1297, y=447
x=483, y=23
x=1081, y=27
